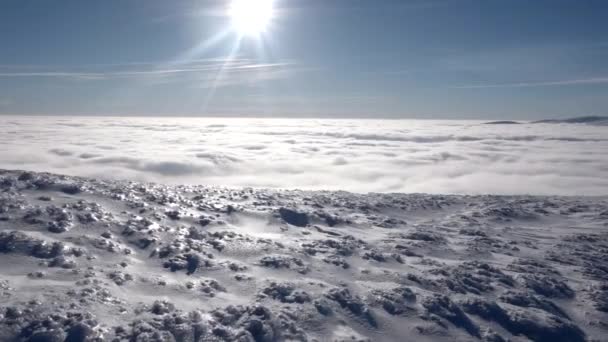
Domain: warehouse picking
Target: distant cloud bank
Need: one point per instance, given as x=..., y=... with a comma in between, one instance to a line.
x=462, y=157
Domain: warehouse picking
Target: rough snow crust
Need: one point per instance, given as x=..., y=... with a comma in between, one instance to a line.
x=440, y=157
x=90, y=260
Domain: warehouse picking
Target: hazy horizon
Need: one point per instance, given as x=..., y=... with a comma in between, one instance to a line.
x=311, y=117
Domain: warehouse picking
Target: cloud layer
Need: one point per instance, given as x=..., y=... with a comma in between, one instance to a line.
x=461, y=157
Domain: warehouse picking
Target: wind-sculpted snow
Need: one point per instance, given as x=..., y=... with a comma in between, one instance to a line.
x=99, y=260
x=457, y=157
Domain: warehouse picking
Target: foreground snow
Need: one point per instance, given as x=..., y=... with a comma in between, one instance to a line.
x=86, y=259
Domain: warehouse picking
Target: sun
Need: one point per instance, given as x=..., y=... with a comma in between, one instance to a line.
x=251, y=17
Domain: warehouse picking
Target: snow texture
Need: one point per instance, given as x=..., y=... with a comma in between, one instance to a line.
x=99, y=260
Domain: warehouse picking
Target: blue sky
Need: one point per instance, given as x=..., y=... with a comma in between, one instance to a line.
x=434, y=59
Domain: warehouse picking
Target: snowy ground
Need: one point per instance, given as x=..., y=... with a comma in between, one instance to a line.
x=411, y=156
x=85, y=259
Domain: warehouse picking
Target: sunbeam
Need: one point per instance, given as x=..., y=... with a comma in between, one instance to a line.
x=203, y=47
x=229, y=59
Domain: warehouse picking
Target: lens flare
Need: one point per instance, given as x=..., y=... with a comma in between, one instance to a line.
x=251, y=17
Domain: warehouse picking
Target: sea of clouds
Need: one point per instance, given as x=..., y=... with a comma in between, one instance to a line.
x=450, y=157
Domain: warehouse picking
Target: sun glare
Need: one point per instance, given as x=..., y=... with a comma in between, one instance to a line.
x=251, y=17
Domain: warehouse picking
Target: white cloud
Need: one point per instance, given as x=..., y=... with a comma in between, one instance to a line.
x=356, y=155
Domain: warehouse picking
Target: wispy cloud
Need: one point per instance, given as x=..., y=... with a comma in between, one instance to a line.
x=573, y=82
x=232, y=66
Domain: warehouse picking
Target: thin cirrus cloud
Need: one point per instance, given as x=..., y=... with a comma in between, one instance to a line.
x=571, y=82
x=235, y=67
